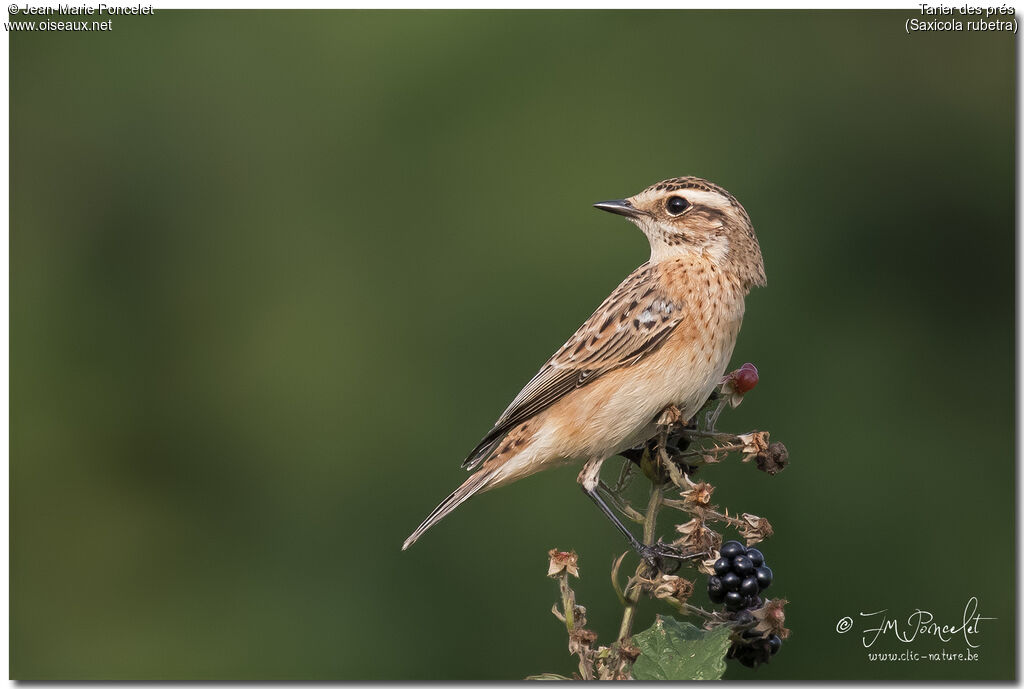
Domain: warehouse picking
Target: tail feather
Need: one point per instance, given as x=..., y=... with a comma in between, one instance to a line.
x=485, y=448
x=473, y=485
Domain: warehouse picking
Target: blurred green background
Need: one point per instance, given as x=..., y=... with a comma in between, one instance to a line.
x=274, y=274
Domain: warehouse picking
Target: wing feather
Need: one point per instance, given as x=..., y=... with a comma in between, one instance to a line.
x=632, y=322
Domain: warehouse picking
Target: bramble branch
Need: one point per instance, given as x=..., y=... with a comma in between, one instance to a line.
x=749, y=629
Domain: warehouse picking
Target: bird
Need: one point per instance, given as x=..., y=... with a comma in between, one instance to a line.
x=662, y=338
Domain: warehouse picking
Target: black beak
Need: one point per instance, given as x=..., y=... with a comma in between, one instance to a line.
x=619, y=207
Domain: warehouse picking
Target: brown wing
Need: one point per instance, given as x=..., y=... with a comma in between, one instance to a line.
x=631, y=323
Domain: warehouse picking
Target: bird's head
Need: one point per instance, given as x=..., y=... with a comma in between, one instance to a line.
x=691, y=216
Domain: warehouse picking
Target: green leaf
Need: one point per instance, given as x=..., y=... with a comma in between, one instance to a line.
x=673, y=650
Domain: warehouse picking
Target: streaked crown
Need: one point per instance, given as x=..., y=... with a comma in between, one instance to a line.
x=687, y=215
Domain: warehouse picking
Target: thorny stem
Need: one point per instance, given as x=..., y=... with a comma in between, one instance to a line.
x=708, y=514
x=713, y=435
x=633, y=593
x=698, y=611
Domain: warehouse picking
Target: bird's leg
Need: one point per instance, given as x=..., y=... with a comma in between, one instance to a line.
x=603, y=506
x=654, y=554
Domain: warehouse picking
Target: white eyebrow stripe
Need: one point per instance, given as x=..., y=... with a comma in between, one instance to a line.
x=705, y=198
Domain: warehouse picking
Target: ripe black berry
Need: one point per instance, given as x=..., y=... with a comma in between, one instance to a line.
x=740, y=576
x=756, y=651
x=734, y=601
x=731, y=549
x=742, y=565
x=716, y=591
x=749, y=587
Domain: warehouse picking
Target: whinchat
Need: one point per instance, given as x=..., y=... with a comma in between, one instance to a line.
x=663, y=337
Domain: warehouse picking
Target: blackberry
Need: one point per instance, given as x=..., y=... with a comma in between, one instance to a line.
x=749, y=587
x=757, y=652
x=732, y=581
x=731, y=549
x=740, y=575
x=716, y=590
x=742, y=565
x=734, y=601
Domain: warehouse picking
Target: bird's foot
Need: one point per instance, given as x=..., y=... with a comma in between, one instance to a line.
x=662, y=557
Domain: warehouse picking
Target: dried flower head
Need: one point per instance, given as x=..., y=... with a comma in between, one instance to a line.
x=697, y=537
x=670, y=416
x=560, y=560
x=708, y=566
x=699, y=495
x=628, y=651
x=774, y=459
x=677, y=588
x=581, y=640
x=755, y=529
x=753, y=443
x=771, y=618
x=665, y=586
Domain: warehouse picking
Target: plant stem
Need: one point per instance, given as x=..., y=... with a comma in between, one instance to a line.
x=568, y=602
x=569, y=610
x=633, y=592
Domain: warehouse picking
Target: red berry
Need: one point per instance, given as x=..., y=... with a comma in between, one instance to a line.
x=745, y=379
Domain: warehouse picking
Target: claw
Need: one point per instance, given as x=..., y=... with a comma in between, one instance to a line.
x=658, y=554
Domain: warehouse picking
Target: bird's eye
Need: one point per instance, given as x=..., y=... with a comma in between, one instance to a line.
x=676, y=205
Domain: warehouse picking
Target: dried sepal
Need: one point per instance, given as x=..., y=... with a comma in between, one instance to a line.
x=697, y=537
x=561, y=561
x=628, y=652
x=580, y=640
x=754, y=529
x=676, y=588
x=708, y=566
x=665, y=586
x=754, y=443
x=670, y=416
x=699, y=495
x=771, y=618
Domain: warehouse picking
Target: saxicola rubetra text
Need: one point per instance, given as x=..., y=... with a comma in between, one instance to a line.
x=663, y=337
